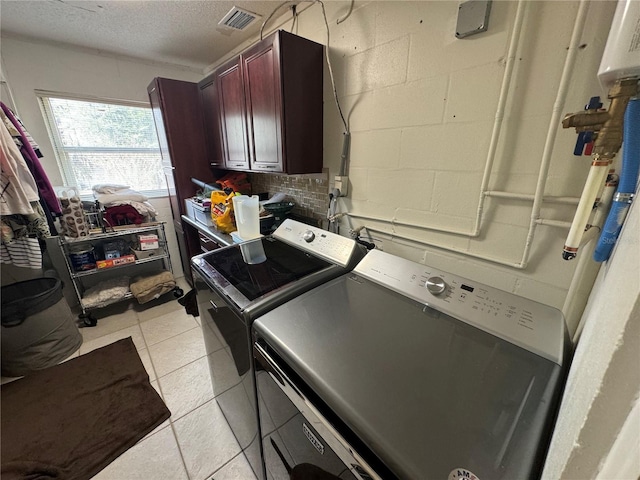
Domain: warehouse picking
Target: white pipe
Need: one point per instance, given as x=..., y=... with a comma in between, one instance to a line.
x=530, y=197
x=446, y=247
x=502, y=102
x=553, y=223
x=556, y=117
x=595, y=181
x=589, y=234
x=393, y=221
x=584, y=276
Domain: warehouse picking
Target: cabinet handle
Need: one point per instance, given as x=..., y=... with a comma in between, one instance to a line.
x=215, y=307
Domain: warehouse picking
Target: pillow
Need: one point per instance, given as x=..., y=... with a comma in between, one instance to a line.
x=109, y=188
x=127, y=194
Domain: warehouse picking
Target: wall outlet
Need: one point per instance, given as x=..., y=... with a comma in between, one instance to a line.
x=341, y=182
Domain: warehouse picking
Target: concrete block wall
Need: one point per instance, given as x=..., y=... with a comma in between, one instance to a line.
x=421, y=106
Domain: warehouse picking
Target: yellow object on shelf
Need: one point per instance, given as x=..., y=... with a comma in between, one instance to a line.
x=222, y=211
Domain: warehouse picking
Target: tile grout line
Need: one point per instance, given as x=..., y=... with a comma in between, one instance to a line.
x=169, y=338
x=171, y=426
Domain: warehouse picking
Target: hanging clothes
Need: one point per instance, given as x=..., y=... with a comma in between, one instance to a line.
x=15, y=227
x=24, y=252
x=32, y=142
x=44, y=186
x=23, y=220
x=17, y=187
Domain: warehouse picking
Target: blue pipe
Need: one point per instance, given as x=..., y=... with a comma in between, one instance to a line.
x=626, y=187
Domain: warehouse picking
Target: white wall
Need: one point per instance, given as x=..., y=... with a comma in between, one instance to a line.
x=36, y=66
x=604, y=382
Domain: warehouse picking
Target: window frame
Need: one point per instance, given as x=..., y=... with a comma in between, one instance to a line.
x=60, y=152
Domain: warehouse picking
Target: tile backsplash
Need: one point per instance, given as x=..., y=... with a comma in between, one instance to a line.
x=310, y=193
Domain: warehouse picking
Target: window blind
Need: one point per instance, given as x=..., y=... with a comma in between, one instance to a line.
x=104, y=142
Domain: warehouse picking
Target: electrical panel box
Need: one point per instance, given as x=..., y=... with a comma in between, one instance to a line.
x=473, y=17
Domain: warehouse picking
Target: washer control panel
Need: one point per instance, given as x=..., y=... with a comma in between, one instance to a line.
x=526, y=323
x=330, y=246
x=436, y=285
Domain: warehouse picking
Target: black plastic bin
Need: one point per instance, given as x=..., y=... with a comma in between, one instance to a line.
x=38, y=328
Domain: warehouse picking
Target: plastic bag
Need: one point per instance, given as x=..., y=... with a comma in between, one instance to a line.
x=222, y=211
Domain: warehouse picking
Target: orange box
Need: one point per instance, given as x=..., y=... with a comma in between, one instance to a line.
x=114, y=262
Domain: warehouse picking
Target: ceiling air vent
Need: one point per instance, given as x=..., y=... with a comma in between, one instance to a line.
x=238, y=19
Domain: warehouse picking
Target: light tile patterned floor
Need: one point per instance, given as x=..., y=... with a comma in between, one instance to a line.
x=196, y=443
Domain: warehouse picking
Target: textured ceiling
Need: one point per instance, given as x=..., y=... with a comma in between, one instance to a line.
x=183, y=32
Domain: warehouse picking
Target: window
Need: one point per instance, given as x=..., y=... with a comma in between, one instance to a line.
x=104, y=142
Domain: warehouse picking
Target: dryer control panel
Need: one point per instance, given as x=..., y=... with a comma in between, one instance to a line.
x=330, y=246
x=523, y=322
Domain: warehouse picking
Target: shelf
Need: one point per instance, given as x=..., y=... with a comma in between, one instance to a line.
x=128, y=296
x=117, y=231
x=117, y=267
x=78, y=279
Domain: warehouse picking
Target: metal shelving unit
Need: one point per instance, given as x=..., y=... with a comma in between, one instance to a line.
x=79, y=278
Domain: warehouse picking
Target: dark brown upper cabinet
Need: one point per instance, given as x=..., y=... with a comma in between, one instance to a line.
x=232, y=115
x=211, y=117
x=270, y=106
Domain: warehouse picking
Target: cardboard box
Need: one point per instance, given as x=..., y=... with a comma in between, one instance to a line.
x=148, y=242
x=142, y=254
x=114, y=262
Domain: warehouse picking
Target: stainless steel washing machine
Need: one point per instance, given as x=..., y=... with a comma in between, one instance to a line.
x=237, y=284
x=400, y=370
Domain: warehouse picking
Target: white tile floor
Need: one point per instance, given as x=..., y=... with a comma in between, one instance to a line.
x=196, y=443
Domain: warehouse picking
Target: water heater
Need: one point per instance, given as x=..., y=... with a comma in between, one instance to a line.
x=621, y=57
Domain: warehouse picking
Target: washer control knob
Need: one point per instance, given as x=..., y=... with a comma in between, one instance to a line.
x=436, y=285
x=308, y=236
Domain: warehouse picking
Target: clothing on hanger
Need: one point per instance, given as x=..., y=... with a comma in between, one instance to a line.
x=31, y=158
x=22, y=219
x=17, y=186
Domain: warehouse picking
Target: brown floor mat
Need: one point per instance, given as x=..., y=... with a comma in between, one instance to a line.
x=72, y=420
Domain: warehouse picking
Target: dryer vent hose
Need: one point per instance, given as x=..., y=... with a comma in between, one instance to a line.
x=627, y=185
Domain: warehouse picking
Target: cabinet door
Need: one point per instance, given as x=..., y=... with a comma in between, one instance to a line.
x=167, y=167
x=174, y=199
x=178, y=116
x=211, y=111
x=156, y=109
x=263, y=92
x=232, y=116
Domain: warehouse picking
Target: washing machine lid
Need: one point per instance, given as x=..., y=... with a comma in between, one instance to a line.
x=429, y=394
